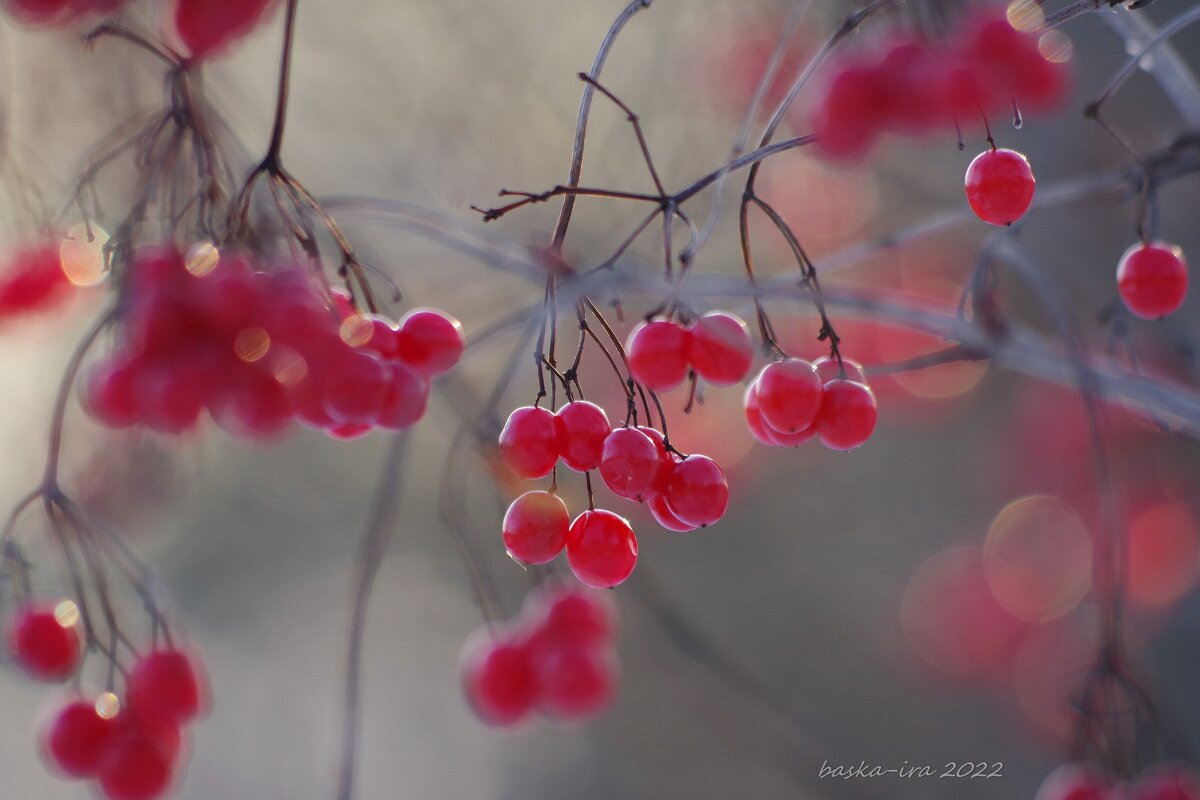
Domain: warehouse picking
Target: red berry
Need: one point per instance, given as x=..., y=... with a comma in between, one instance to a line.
x=44, y=640
x=1152, y=279
x=665, y=517
x=697, y=492
x=848, y=120
x=531, y=442
x=77, y=740
x=164, y=688
x=630, y=463
x=601, y=548
x=406, y=401
x=207, y=27
x=498, y=679
x=357, y=388
x=1000, y=186
x=848, y=415
x=585, y=427
x=108, y=393
x=1075, y=782
x=139, y=763
x=721, y=350
x=829, y=368
x=789, y=395
x=570, y=617
x=34, y=281
x=658, y=354
x=763, y=432
x=348, y=432
x=575, y=683
x=431, y=342
x=535, y=527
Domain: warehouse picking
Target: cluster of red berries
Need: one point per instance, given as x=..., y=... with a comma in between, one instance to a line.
x=1152, y=279
x=634, y=462
x=205, y=27
x=792, y=401
x=716, y=346
x=557, y=658
x=130, y=749
x=1000, y=186
x=1080, y=782
x=259, y=349
x=33, y=281
x=919, y=86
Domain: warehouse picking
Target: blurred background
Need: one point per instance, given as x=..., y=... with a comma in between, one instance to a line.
x=925, y=599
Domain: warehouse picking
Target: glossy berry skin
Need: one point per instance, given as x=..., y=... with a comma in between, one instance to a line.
x=575, y=683
x=789, y=395
x=665, y=517
x=1152, y=279
x=165, y=688
x=1075, y=782
x=77, y=740
x=697, y=492
x=531, y=442
x=720, y=350
x=139, y=764
x=42, y=646
x=848, y=415
x=601, y=548
x=499, y=680
x=584, y=428
x=630, y=463
x=535, y=527
x=828, y=368
x=406, y=400
x=430, y=341
x=764, y=433
x=1000, y=186
x=657, y=352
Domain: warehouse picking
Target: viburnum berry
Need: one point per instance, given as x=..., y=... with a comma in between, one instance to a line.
x=697, y=492
x=357, y=388
x=848, y=415
x=208, y=27
x=77, y=739
x=33, y=280
x=657, y=352
x=430, y=341
x=630, y=463
x=665, y=517
x=1152, y=279
x=165, y=688
x=535, y=527
x=720, y=349
x=575, y=683
x=584, y=428
x=140, y=761
x=601, y=548
x=44, y=640
x=1000, y=186
x=531, y=442
x=828, y=368
x=498, y=678
x=1075, y=782
x=406, y=400
x=789, y=394
x=762, y=431
x=570, y=617
x=108, y=393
